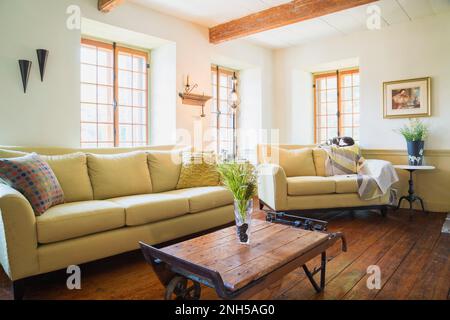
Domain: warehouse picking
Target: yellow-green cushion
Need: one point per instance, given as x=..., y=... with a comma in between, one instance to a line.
x=198, y=170
x=320, y=158
x=297, y=162
x=72, y=173
x=119, y=175
x=165, y=167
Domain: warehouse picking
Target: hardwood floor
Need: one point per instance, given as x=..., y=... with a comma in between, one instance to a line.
x=413, y=256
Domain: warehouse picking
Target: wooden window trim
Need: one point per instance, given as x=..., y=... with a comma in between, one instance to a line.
x=116, y=50
x=338, y=73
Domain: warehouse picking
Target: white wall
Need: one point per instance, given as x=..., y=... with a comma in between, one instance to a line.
x=49, y=114
x=416, y=49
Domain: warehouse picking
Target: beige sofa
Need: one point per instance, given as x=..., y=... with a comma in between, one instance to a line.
x=107, y=211
x=292, y=178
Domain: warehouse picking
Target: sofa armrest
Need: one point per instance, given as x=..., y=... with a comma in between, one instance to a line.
x=18, y=238
x=272, y=186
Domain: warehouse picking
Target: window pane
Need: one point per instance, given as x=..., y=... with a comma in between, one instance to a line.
x=126, y=133
x=223, y=93
x=224, y=108
x=347, y=120
x=331, y=95
x=332, y=122
x=105, y=95
x=139, y=64
x=356, y=79
x=347, y=94
x=139, y=98
x=323, y=122
x=125, y=97
x=125, y=79
x=88, y=55
x=105, y=76
x=125, y=115
x=105, y=132
x=223, y=80
x=88, y=113
x=347, y=132
x=88, y=93
x=347, y=107
x=347, y=81
x=356, y=106
x=105, y=113
x=332, y=108
x=105, y=57
x=88, y=132
x=332, y=132
x=331, y=83
x=356, y=93
x=88, y=73
x=323, y=108
x=139, y=133
x=106, y=145
x=323, y=97
x=139, y=115
x=125, y=61
x=139, y=81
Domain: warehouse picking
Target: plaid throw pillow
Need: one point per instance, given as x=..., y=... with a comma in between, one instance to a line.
x=32, y=177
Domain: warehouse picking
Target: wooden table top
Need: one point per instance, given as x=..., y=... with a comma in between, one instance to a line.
x=271, y=246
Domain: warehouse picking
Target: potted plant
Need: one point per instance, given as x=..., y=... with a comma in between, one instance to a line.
x=415, y=133
x=241, y=180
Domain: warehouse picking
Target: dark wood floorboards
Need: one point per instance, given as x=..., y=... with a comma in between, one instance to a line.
x=413, y=255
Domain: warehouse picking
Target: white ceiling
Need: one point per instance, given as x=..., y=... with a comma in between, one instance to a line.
x=212, y=12
x=209, y=12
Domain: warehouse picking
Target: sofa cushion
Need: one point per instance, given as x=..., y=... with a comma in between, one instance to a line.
x=297, y=162
x=147, y=208
x=72, y=173
x=346, y=184
x=119, y=175
x=199, y=169
x=77, y=219
x=33, y=177
x=165, y=167
x=302, y=186
x=205, y=198
x=320, y=157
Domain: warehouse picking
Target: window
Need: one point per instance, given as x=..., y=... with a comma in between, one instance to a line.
x=336, y=104
x=223, y=118
x=114, y=95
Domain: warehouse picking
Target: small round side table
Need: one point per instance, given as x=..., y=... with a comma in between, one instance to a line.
x=412, y=197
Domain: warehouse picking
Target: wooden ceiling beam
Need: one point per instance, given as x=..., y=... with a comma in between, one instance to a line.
x=279, y=16
x=108, y=5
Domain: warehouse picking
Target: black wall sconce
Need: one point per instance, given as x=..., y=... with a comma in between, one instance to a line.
x=42, y=55
x=25, y=67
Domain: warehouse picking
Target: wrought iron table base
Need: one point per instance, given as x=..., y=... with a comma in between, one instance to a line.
x=411, y=197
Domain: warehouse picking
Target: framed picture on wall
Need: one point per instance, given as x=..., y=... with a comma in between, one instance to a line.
x=407, y=98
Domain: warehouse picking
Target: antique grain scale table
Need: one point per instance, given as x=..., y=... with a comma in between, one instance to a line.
x=239, y=271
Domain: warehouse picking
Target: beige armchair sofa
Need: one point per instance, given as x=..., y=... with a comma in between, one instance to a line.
x=292, y=178
x=107, y=211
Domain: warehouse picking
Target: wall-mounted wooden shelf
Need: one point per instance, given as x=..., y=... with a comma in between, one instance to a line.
x=195, y=100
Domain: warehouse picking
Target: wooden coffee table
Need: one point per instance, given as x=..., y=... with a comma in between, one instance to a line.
x=238, y=271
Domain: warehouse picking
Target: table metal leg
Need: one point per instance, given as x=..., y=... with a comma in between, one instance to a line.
x=322, y=269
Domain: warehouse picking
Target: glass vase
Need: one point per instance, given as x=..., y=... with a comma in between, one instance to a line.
x=243, y=215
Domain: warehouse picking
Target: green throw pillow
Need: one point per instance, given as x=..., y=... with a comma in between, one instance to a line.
x=198, y=170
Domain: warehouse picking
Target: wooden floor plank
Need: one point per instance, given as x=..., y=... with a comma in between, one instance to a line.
x=303, y=289
x=389, y=263
x=412, y=267
x=127, y=276
x=435, y=282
